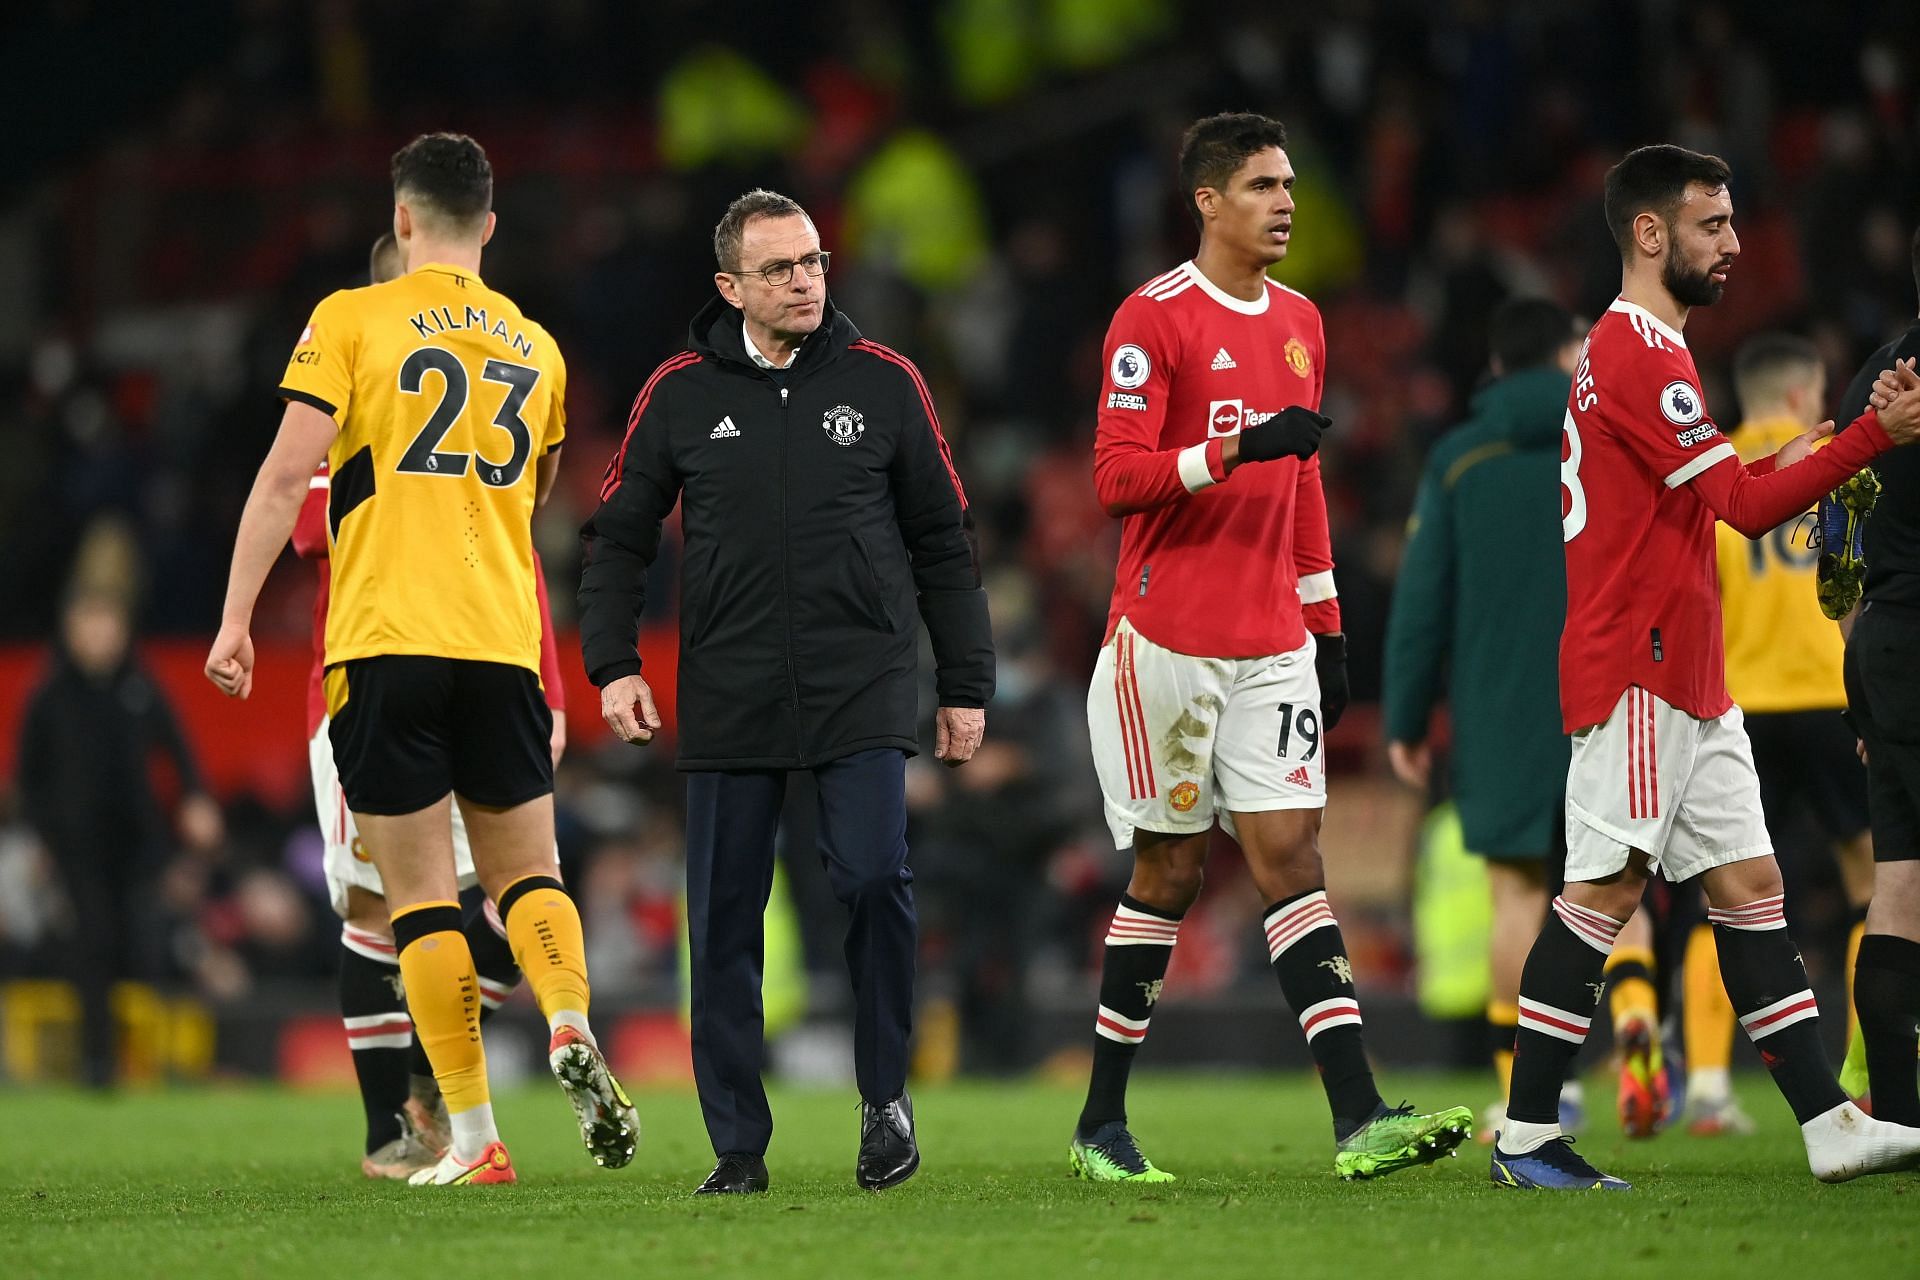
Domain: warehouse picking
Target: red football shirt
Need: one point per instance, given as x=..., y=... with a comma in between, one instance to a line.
x=1211, y=565
x=310, y=543
x=1643, y=594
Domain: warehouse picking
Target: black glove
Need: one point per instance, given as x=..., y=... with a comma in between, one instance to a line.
x=1293, y=432
x=1330, y=665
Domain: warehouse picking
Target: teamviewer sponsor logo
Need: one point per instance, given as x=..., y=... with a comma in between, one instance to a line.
x=1223, y=418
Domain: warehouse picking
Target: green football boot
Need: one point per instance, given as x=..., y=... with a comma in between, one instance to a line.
x=1109, y=1154
x=1394, y=1138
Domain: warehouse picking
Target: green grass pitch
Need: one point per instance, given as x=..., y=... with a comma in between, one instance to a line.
x=262, y=1182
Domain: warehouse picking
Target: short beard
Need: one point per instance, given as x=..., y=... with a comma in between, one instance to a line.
x=1689, y=288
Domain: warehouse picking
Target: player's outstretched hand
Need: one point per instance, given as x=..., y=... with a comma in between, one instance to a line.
x=957, y=732
x=230, y=661
x=627, y=706
x=1800, y=447
x=1293, y=433
x=1330, y=664
x=1896, y=396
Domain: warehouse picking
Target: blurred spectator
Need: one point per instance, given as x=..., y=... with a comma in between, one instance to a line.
x=88, y=745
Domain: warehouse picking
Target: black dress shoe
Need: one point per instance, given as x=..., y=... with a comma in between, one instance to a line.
x=739, y=1173
x=888, y=1153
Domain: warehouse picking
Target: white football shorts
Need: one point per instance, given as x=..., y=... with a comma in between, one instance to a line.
x=1653, y=778
x=347, y=862
x=1180, y=740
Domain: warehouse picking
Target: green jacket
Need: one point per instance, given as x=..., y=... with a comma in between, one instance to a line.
x=1478, y=607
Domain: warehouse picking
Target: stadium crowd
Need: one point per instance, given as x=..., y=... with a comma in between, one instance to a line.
x=990, y=189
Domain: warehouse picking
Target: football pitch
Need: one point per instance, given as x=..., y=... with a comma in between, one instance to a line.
x=248, y=1181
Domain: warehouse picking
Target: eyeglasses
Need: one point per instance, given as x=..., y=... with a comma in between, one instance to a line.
x=779, y=273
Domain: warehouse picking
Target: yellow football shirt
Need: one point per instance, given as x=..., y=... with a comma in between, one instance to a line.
x=1783, y=654
x=446, y=397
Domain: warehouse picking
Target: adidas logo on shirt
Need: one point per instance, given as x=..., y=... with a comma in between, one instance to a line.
x=1223, y=361
x=1299, y=777
x=726, y=430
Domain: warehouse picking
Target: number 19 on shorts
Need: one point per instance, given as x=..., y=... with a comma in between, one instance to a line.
x=1299, y=729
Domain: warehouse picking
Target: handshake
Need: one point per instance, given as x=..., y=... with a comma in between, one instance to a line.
x=1896, y=398
x=1294, y=432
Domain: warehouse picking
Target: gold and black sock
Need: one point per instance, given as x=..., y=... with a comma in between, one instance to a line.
x=499, y=975
x=543, y=929
x=1708, y=1021
x=443, y=994
x=1503, y=1024
x=1630, y=993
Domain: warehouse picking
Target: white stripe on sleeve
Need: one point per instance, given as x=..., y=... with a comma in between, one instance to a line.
x=1194, y=471
x=1719, y=453
x=1316, y=587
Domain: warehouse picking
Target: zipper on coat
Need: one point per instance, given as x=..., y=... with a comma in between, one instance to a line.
x=786, y=592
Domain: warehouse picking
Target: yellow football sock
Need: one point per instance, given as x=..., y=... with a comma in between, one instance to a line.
x=1630, y=995
x=1709, y=1021
x=543, y=928
x=1853, y=1071
x=1503, y=1022
x=1853, y=954
x=443, y=997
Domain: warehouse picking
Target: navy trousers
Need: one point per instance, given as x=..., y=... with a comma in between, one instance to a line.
x=732, y=818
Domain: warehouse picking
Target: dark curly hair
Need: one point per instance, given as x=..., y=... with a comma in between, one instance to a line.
x=448, y=173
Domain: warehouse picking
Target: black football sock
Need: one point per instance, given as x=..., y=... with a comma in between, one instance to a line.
x=1310, y=959
x=379, y=1032
x=1886, y=994
x=1767, y=984
x=1559, y=990
x=1139, y=945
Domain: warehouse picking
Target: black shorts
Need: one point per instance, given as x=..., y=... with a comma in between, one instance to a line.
x=1808, y=757
x=408, y=729
x=1883, y=697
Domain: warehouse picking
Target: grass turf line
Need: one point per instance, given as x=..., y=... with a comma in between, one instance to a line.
x=263, y=1182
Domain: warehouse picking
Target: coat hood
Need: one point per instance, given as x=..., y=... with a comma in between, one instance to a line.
x=1528, y=408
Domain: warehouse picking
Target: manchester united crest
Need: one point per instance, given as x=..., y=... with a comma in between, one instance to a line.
x=1297, y=358
x=1184, y=797
x=843, y=425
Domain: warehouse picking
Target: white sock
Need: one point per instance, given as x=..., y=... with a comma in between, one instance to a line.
x=575, y=1019
x=472, y=1131
x=1517, y=1137
x=1709, y=1085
